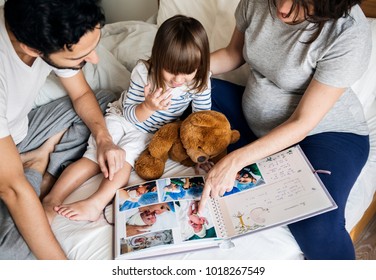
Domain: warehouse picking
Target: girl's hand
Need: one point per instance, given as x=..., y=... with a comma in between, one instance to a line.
x=206, y=166
x=157, y=100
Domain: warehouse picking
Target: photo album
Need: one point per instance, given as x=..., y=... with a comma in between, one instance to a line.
x=161, y=217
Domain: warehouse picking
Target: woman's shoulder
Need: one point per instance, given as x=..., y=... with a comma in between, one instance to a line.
x=353, y=30
x=355, y=22
x=251, y=10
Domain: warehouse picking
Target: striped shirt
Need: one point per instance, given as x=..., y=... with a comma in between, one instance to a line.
x=181, y=98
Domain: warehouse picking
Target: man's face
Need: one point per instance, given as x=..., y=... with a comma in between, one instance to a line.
x=82, y=52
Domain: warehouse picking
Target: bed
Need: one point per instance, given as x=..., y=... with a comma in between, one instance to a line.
x=121, y=45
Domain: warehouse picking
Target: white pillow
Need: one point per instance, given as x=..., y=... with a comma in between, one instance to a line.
x=218, y=19
x=107, y=74
x=365, y=87
x=129, y=41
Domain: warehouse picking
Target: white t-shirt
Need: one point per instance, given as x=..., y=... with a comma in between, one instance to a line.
x=19, y=86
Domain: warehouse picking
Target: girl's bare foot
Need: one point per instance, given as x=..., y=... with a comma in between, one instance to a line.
x=83, y=210
x=49, y=210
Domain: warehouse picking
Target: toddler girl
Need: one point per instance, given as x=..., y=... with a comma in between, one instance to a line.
x=161, y=89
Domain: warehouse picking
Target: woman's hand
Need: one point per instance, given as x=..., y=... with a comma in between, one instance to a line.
x=219, y=180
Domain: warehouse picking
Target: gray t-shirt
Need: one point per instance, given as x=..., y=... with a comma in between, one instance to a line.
x=282, y=66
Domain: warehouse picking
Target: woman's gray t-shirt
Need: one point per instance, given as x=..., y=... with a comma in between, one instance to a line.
x=282, y=66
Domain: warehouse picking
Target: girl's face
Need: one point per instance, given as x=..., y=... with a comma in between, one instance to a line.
x=174, y=81
x=283, y=9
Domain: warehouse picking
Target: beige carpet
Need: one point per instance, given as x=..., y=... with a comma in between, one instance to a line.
x=365, y=247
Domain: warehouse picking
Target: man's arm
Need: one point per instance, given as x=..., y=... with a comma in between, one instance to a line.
x=24, y=205
x=110, y=157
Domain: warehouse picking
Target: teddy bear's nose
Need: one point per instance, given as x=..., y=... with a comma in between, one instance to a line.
x=201, y=159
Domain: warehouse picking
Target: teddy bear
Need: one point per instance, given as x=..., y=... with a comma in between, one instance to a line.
x=200, y=138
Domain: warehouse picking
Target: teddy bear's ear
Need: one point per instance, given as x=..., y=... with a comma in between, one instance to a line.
x=235, y=136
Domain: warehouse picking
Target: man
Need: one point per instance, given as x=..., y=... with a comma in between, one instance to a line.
x=37, y=37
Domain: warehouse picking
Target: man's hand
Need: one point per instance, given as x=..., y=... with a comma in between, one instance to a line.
x=110, y=157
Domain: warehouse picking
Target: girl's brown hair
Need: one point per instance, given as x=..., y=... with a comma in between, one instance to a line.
x=320, y=11
x=181, y=46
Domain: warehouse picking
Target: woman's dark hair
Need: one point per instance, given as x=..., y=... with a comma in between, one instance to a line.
x=181, y=46
x=52, y=25
x=320, y=11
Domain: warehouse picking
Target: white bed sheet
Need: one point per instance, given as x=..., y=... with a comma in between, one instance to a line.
x=125, y=42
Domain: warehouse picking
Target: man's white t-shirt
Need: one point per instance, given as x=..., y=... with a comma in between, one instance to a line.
x=19, y=86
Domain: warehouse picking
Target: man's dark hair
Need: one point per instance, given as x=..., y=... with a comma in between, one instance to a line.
x=52, y=25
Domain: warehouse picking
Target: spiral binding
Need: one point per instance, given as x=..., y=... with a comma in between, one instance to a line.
x=219, y=218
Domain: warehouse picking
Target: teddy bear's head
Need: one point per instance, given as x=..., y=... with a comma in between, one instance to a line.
x=206, y=135
x=202, y=136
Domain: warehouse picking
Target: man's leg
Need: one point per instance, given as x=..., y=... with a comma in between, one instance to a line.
x=12, y=245
x=49, y=120
x=74, y=142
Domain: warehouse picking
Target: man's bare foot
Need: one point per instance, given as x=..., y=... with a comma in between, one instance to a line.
x=83, y=210
x=38, y=159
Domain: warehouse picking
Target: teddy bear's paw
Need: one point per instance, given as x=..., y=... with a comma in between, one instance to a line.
x=149, y=167
x=187, y=162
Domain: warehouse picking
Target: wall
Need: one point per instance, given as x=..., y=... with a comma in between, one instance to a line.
x=119, y=10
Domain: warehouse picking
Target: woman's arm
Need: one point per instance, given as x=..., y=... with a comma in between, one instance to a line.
x=315, y=103
x=230, y=57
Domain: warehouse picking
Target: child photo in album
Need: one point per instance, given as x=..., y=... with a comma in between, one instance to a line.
x=150, y=218
x=146, y=241
x=172, y=189
x=192, y=225
x=247, y=178
x=136, y=196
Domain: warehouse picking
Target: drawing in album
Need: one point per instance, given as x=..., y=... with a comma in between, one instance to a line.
x=160, y=217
